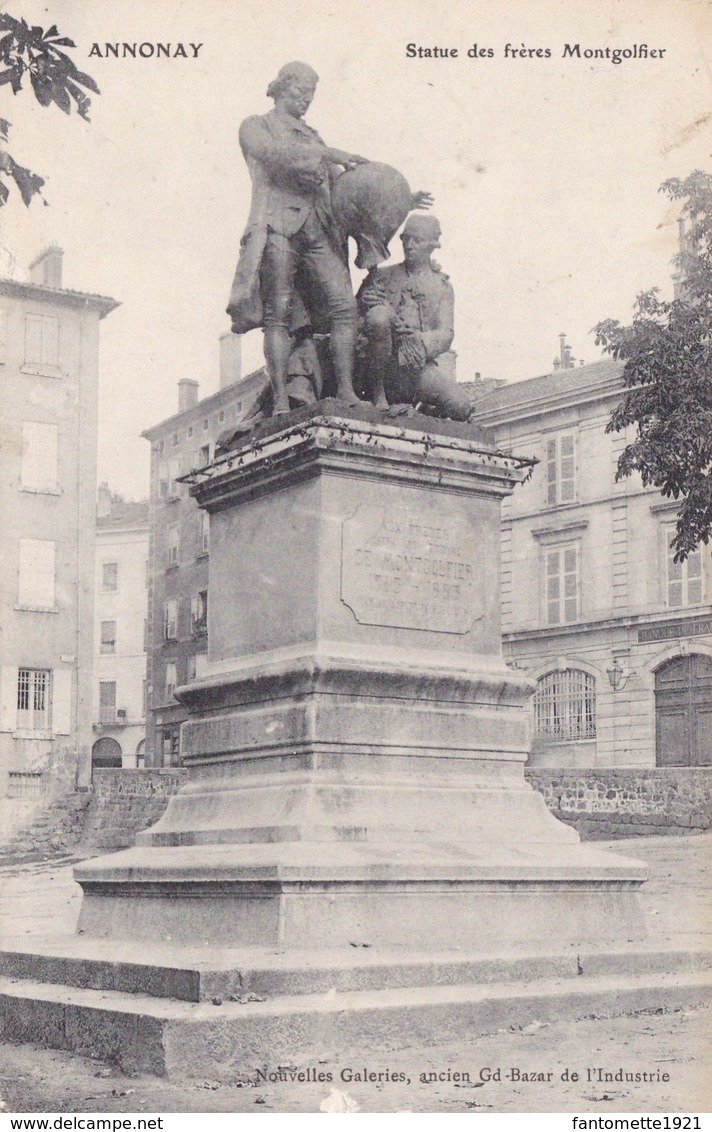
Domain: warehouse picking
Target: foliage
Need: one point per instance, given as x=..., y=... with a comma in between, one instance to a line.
x=31, y=52
x=668, y=375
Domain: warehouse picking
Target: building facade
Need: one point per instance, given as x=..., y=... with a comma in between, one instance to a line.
x=49, y=368
x=179, y=545
x=120, y=631
x=617, y=635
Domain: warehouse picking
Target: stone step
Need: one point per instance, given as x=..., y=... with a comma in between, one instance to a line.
x=190, y=976
x=227, y=1040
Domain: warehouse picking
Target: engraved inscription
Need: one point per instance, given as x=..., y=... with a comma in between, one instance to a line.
x=400, y=569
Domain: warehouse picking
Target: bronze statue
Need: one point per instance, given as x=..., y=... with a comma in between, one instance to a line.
x=407, y=317
x=293, y=258
x=293, y=279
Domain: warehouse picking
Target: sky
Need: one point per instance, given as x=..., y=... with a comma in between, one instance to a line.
x=545, y=170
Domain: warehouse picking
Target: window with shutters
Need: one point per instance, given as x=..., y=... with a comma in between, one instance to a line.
x=199, y=612
x=561, y=469
x=204, y=544
x=561, y=578
x=110, y=577
x=33, y=699
x=565, y=705
x=42, y=342
x=171, y=679
x=163, y=480
x=107, y=701
x=174, y=470
x=172, y=544
x=36, y=583
x=685, y=582
x=170, y=620
x=39, y=470
x=108, y=637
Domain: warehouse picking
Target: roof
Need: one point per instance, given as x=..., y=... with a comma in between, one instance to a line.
x=550, y=390
x=103, y=303
x=223, y=396
x=124, y=513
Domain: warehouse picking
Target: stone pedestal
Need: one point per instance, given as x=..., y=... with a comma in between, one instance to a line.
x=356, y=748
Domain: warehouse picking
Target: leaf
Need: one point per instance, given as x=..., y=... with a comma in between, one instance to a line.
x=28, y=183
x=61, y=97
x=35, y=36
x=87, y=81
x=42, y=88
x=13, y=76
x=81, y=99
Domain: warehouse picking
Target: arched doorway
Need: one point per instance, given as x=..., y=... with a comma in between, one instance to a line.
x=683, y=711
x=106, y=752
x=141, y=754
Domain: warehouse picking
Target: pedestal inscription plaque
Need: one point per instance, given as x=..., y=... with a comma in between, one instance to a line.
x=403, y=570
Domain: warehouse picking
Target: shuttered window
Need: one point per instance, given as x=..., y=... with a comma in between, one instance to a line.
x=108, y=637
x=107, y=701
x=562, y=585
x=170, y=620
x=171, y=679
x=41, y=340
x=36, y=588
x=561, y=469
x=684, y=579
x=39, y=456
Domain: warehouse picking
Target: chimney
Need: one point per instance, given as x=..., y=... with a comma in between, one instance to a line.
x=103, y=501
x=46, y=270
x=187, y=394
x=565, y=359
x=230, y=358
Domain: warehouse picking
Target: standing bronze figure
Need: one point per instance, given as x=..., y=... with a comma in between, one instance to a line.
x=293, y=261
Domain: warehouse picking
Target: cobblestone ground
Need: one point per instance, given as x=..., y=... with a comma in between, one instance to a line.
x=655, y=1043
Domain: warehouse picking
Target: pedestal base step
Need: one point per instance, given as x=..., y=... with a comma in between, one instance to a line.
x=250, y=1023
x=485, y=898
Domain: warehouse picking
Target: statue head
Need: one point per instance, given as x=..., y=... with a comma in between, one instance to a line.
x=294, y=87
x=420, y=237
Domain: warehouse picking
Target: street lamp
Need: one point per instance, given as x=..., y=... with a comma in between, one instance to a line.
x=618, y=676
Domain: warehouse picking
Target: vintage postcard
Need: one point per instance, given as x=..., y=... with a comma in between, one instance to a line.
x=310, y=513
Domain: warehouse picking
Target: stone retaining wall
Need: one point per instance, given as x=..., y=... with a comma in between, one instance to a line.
x=624, y=802
x=124, y=802
x=600, y=803
x=603, y=803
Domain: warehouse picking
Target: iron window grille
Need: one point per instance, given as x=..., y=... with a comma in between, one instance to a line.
x=565, y=705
